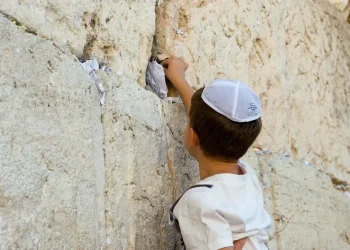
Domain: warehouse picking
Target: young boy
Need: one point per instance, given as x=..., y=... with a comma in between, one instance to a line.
x=227, y=204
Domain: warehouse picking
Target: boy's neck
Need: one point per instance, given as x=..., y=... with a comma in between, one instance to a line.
x=209, y=167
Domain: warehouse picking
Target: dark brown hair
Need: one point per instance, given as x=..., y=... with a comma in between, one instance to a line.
x=220, y=137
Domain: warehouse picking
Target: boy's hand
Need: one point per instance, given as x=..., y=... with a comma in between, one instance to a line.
x=174, y=69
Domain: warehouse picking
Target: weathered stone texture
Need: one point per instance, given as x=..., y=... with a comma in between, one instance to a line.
x=74, y=175
x=295, y=54
x=145, y=162
x=340, y=4
x=308, y=212
x=118, y=33
x=48, y=109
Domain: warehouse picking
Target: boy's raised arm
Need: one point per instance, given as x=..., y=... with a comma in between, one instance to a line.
x=174, y=69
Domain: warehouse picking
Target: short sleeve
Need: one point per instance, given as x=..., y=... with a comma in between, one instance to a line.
x=202, y=225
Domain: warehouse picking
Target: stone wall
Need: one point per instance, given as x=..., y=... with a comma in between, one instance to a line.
x=308, y=212
x=77, y=175
x=49, y=113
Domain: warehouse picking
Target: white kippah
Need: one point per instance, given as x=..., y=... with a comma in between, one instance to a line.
x=233, y=99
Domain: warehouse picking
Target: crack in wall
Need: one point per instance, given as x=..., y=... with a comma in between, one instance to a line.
x=64, y=49
x=20, y=25
x=90, y=23
x=274, y=198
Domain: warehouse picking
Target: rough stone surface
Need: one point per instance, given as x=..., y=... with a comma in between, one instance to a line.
x=340, y=4
x=135, y=157
x=117, y=33
x=308, y=212
x=74, y=175
x=295, y=54
x=48, y=110
x=144, y=166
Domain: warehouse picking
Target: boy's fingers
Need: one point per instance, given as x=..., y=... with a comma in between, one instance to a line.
x=165, y=62
x=183, y=61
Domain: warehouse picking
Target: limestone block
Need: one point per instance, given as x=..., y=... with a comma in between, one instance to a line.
x=59, y=21
x=117, y=33
x=123, y=36
x=183, y=168
x=308, y=212
x=135, y=158
x=50, y=149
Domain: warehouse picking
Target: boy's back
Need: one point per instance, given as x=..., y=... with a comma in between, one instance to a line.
x=232, y=209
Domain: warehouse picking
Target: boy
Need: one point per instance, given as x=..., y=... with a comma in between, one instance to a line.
x=227, y=204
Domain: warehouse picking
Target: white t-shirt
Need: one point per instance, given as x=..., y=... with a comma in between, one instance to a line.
x=212, y=218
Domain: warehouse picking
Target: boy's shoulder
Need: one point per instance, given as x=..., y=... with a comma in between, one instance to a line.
x=197, y=198
x=201, y=197
x=199, y=193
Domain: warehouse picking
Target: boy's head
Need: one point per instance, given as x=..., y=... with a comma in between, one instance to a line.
x=224, y=120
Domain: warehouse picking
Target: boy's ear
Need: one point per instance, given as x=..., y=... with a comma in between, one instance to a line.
x=194, y=137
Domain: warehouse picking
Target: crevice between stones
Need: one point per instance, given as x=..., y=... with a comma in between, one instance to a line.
x=20, y=25
x=90, y=21
x=32, y=31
